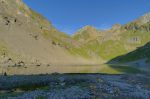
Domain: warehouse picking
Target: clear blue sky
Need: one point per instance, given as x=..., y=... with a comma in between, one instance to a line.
x=70, y=15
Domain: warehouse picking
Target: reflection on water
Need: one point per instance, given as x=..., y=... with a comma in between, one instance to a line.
x=104, y=68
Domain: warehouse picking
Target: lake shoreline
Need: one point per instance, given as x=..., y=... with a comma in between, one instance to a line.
x=50, y=69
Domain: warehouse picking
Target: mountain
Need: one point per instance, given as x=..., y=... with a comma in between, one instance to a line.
x=26, y=37
x=118, y=40
x=86, y=34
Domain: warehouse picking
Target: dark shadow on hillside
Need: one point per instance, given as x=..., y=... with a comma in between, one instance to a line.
x=139, y=53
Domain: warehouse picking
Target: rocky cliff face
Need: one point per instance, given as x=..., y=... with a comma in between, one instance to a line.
x=144, y=19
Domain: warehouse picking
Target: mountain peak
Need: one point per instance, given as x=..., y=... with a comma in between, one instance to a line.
x=144, y=19
x=88, y=27
x=116, y=26
x=147, y=15
x=86, y=30
x=87, y=33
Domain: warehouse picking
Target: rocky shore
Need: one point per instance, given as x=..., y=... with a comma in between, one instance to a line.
x=75, y=86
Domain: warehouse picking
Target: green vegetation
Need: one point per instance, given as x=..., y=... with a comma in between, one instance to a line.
x=111, y=49
x=140, y=53
x=132, y=35
x=85, y=35
x=65, y=41
x=107, y=50
x=81, y=51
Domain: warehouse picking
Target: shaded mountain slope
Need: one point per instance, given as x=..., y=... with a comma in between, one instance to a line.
x=140, y=58
x=138, y=54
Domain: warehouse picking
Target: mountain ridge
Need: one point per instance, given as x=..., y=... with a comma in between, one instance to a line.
x=28, y=37
x=127, y=37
